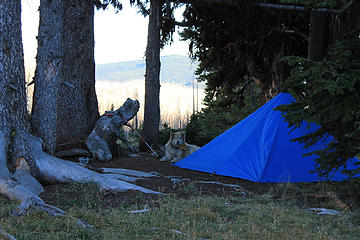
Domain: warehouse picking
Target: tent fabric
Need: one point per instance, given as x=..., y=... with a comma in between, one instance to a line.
x=259, y=149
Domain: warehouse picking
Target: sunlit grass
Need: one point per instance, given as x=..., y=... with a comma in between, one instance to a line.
x=177, y=102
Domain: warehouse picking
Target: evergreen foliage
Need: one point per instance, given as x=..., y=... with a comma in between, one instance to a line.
x=212, y=121
x=226, y=40
x=328, y=93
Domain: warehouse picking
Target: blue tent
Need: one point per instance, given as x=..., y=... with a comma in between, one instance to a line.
x=259, y=149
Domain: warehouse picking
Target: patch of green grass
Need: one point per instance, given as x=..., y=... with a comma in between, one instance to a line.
x=88, y=195
x=199, y=217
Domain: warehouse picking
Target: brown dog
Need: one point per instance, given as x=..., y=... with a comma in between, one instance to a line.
x=176, y=148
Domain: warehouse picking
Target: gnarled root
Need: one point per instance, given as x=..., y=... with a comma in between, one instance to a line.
x=55, y=170
x=27, y=199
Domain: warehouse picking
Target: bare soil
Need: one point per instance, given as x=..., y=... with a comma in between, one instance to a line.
x=304, y=194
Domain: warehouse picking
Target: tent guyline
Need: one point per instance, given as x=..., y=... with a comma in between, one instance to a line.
x=110, y=114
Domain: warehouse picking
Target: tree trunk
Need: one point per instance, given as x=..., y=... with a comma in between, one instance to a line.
x=355, y=18
x=77, y=105
x=12, y=76
x=316, y=48
x=23, y=149
x=152, y=77
x=102, y=140
x=48, y=75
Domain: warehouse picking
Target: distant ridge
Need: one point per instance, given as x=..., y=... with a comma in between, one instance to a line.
x=174, y=68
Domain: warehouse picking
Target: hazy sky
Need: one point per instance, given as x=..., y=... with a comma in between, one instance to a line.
x=118, y=37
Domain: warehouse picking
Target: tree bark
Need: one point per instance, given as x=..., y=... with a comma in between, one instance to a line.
x=23, y=149
x=355, y=18
x=12, y=76
x=48, y=75
x=316, y=48
x=152, y=80
x=77, y=105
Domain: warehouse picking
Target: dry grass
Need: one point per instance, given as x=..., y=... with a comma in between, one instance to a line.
x=30, y=66
x=176, y=101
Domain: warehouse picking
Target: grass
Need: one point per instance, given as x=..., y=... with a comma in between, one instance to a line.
x=257, y=217
x=176, y=101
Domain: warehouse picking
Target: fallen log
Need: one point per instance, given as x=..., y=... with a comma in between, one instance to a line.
x=102, y=140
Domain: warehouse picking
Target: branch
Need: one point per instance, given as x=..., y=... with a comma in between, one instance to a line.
x=183, y=24
x=6, y=235
x=176, y=23
x=347, y=7
x=297, y=8
x=264, y=5
x=295, y=31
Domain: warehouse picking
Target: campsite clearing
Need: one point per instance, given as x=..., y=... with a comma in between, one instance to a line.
x=191, y=208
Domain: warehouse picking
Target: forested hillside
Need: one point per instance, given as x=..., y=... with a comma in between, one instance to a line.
x=174, y=68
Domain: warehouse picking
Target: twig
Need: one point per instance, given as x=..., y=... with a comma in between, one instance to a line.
x=6, y=235
x=84, y=224
x=324, y=211
x=140, y=211
x=176, y=232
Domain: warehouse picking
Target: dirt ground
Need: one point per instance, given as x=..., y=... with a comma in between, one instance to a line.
x=304, y=194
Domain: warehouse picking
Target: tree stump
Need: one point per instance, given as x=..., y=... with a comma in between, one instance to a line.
x=102, y=140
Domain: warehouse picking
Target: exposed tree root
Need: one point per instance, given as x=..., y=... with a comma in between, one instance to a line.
x=29, y=157
x=27, y=199
x=4, y=172
x=55, y=170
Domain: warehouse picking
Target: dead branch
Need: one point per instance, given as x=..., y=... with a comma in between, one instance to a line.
x=6, y=236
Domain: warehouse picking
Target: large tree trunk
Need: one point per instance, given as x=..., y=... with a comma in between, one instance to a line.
x=152, y=80
x=65, y=106
x=316, y=49
x=77, y=105
x=355, y=18
x=12, y=76
x=48, y=75
x=24, y=150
